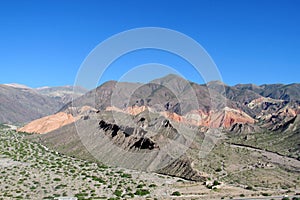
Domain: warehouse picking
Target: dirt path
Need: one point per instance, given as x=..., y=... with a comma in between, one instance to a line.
x=273, y=157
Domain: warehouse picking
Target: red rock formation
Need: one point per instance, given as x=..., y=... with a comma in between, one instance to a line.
x=225, y=118
x=134, y=110
x=48, y=123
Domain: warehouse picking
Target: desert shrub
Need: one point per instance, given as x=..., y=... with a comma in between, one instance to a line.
x=176, y=193
x=216, y=183
x=56, y=179
x=142, y=192
x=98, y=179
x=218, y=169
x=126, y=175
x=118, y=193
x=80, y=195
x=130, y=194
x=152, y=185
x=140, y=186
x=209, y=186
x=249, y=187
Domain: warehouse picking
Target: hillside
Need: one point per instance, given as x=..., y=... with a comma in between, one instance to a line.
x=165, y=125
x=63, y=94
x=21, y=104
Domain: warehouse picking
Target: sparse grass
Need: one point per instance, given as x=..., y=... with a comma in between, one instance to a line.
x=35, y=169
x=55, y=174
x=142, y=192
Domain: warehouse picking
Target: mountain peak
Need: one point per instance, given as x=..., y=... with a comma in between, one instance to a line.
x=167, y=78
x=17, y=85
x=217, y=82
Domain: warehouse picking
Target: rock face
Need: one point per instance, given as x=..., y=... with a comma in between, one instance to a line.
x=244, y=128
x=182, y=167
x=129, y=138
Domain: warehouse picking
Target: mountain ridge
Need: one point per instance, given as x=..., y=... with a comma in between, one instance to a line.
x=144, y=126
x=21, y=104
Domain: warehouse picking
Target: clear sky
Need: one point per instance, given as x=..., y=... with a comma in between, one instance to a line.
x=251, y=41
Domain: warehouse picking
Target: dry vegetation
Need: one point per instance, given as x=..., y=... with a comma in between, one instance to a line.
x=32, y=171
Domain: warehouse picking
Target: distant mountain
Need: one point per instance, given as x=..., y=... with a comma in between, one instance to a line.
x=21, y=104
x=16, y=85
x=64, y=94
x=207, y=101
x=274, y=91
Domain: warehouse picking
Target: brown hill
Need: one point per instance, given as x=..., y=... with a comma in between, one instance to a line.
x=22, y=104
x=48, y=123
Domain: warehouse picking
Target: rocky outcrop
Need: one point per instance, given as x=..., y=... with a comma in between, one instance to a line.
x=182, y=167
x=289, y=125
x=244, y=128
x=129, y=138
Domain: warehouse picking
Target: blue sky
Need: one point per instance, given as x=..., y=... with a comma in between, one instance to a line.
x=251, y=41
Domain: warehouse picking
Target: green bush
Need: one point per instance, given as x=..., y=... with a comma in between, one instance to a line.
x=218, y=169
x=118, y=193
x=126, y=176
x=140, y=186
x=152, y=185
x=176, y=193
x=216, y=183
x=142, y=192
x=249, y=187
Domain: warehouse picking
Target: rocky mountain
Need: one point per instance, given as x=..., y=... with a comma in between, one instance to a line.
x=241, y=108
x=120, y=123
x=63, y=94
x=20, y=104
x=198, y=104
x=122, y=140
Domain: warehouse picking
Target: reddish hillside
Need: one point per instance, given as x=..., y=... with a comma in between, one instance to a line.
x=48, y=123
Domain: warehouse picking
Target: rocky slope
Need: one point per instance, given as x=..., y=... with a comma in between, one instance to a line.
x=48, y=123
x=21, y=104
x=162, y=124
x=212, y=105
x=120, y=141
x=63, y=94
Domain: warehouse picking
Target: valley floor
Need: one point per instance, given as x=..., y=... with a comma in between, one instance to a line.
x=32, y=171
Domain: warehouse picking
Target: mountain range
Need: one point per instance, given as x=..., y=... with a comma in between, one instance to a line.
x=21, y=104
x=215, y=104
x=162, y=126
